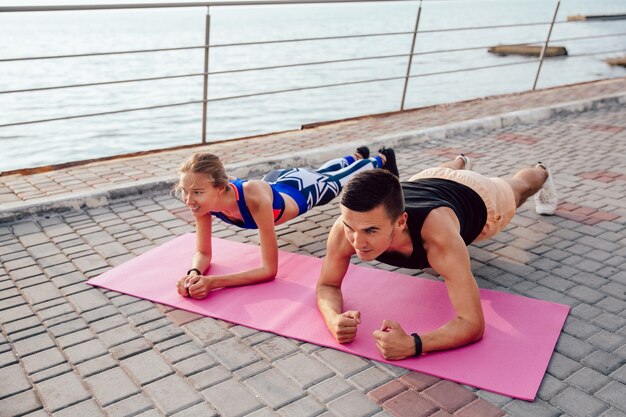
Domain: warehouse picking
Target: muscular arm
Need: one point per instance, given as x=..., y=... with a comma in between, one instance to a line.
x=328, y=292
x=448, y=255
x=259, y=200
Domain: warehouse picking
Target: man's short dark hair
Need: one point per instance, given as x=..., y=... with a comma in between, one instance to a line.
x=369, y=189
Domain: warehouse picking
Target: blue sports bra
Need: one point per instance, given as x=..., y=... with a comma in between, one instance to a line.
x=278, y=204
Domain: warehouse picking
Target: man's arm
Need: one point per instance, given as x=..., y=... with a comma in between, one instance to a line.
x=342, y=325
x=448, y=255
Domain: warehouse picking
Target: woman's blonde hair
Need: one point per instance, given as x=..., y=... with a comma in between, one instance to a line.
x=207, y=164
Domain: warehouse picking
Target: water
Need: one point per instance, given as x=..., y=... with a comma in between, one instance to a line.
x=59, y=33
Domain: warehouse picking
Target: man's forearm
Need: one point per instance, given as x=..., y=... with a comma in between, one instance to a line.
x=456, y=333
x=329, y=301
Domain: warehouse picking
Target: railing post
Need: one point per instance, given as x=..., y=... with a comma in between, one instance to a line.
x=205, y=94
x=408, y=67
x=545, y=45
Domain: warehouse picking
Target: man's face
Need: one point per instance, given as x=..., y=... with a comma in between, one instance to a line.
x=370, y=233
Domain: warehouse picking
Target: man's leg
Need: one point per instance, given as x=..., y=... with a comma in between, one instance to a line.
x=460, y=162
x=527, y=182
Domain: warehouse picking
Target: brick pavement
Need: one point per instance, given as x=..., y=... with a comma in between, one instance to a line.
x=69, y=349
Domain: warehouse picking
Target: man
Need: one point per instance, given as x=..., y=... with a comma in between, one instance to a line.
x=426, y=221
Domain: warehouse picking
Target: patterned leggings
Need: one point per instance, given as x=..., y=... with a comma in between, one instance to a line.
x=320, y=186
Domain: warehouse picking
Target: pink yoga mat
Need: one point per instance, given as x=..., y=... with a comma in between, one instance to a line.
x=511, y=359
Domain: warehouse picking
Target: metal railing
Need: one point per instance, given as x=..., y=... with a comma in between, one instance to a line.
x=206, y=74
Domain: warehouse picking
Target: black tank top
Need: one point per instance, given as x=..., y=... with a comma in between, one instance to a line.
x=426, y=194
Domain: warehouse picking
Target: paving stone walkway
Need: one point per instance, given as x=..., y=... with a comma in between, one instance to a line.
x=69, y=349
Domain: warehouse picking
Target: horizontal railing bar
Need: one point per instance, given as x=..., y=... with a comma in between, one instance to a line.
x=58, y=87
x=322, y=38
x=276, y=67
x=590, y=54
x=508, y=64
x=290, y=40
x=532, y=61
x=579, y=38
x=179, y=5
x=303, y=64
x=137, y=51
x=78, y=116
x=289, y=65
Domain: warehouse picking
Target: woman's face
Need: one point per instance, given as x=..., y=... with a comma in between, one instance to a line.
x=199, y=193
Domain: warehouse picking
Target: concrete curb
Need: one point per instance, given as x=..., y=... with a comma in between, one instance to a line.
x=255, y=168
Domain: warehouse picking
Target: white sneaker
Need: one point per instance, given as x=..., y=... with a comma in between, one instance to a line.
x=546, y=199
x=467, y=161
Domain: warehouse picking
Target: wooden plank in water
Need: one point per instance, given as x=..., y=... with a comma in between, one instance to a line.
x=527, y=50
x=616, y=61
x=580, y=17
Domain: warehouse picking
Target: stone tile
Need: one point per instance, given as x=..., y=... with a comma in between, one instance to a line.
x=303, y=369
x=343, y=363
x=387, y=391
x=613, y=394
x=305, y=407
x=147, y=367
x=182, y=352
x=172, y=394
x=330, y=389
x=603, y=362
x=96, y=365
x=479, y=408
x=370, y=378
x=576, y=402
x=62, y=391
x=129, y=406
x=41, y=361
x=274, y=388
x=418, y=381
x=231, y=399
x=233, y=354
x=20, y=404
x=111, y=386
x=353, y=404
x=14, y=381
x=209, y=377
x=202, y=409
x=85, y=351
x=410, y=403
x=449, y=396
x=276, y=348
x=34, y=344
x=86, y=408
x=195, y=364
x=206, y=331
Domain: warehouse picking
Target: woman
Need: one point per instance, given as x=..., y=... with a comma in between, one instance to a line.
x=258, y=204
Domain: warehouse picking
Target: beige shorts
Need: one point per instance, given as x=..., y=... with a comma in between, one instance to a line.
x=496, y=193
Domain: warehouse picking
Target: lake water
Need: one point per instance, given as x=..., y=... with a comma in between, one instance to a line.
x=59, y=33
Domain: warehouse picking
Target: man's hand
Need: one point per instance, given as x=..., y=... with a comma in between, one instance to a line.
x=343, y=327
x=392, y=342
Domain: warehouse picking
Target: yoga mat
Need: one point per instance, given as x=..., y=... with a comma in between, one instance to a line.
x=511, y=358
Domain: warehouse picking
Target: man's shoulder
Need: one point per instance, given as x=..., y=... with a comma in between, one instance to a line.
x=337, y=242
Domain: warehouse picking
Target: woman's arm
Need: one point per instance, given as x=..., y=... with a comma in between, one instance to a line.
x=202, y=258
x=259, y=202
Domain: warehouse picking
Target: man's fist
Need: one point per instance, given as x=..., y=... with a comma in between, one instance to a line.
x=392, y=342
x=344, y=326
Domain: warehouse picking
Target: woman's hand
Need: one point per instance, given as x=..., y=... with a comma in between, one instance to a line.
x=182, y=287
x=199, y=286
